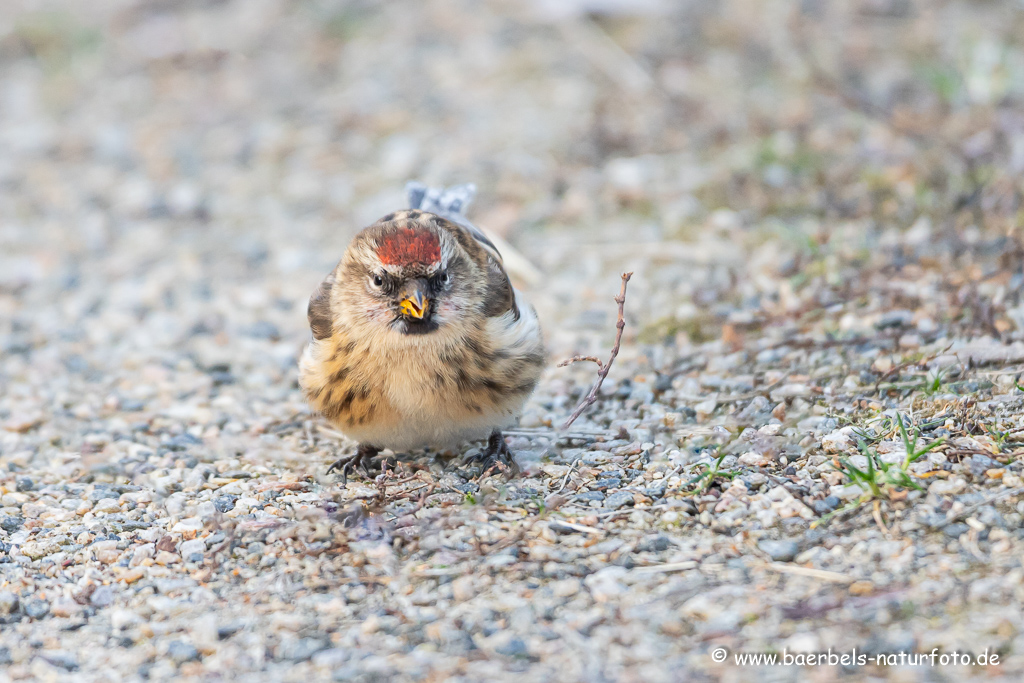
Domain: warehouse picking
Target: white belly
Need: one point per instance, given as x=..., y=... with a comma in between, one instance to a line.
x=433, y=427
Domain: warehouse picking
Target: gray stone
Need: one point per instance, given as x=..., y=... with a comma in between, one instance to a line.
x=8, y=603
x=982, y=463
x=827, y=505
x=61, y=659
x=225, y=631
x=618, y=500
x=656, y=489
x=300, y=650
x=515, y=647
x=655, y=544
x=990, y=517
x=181, y=651
x=195, y=546
x=753, y=480
x=36, y=608
x=780, y=551
x=899, y=318
x=102, y=493
x=956, y=529
x=263, y=330
x=102, y=596
x=595, y=457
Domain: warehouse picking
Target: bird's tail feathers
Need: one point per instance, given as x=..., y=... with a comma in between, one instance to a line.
x=450, y=202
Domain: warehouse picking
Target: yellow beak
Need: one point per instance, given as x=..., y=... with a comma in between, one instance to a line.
x=415, y=306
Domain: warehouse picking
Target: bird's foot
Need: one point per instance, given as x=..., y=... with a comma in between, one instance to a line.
x=497, y=456
x=347, y=465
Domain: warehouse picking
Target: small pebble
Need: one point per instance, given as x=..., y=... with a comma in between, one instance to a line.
x=618, y=500
x=36, y=609
x=955, y=530
x=181, y=651
x=102, y=596
x=8, y=603
x=63, y=660
x=780, y=551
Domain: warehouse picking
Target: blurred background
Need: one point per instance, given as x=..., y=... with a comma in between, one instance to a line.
x=177, y=176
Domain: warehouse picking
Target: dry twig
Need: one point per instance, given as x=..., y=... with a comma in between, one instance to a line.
x=562, y=525
x=423, y=499
x=876, y=513
x=666, y=568
x=971, y=508
x=577, y=359
x=800, y=570
x=895, y=370
x=565, y=480
x=603, y=368
x=737, y=398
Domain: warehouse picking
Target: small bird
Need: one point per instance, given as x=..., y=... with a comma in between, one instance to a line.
x=419, y=338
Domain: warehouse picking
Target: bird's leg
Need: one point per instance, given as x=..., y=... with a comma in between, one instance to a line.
x=497, y=453
x=349, y=463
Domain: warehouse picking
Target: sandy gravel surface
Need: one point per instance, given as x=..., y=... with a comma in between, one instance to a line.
x=810, y=441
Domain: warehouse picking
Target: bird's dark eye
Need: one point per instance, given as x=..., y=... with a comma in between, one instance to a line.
x=378, y=281
x=442, y=277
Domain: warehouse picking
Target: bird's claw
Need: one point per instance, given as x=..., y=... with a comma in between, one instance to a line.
x=347, y=465
x=497, y=455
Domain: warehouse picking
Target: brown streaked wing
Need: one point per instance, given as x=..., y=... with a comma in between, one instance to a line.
x=319, y=311
x=500, y=296
x=485, y=242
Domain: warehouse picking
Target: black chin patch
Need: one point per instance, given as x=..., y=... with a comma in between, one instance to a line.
x=407, y=325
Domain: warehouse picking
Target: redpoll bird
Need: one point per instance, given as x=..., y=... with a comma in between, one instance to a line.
x=419, y=338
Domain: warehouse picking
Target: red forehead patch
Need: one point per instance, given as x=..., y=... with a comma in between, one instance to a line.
x=406, y=246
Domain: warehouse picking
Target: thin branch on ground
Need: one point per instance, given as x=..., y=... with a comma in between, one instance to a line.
x=895, y=370
x=213, y=555
x=382, y=498
x=578, y=359
x=602, y=372
x=828, y=343
x=876, y=513
x=971, y=508
x=568, y=474
x=736, y=398
x=423, y=499
x=823, y=574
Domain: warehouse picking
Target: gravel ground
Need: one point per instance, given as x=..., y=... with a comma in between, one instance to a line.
x=811, y=439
